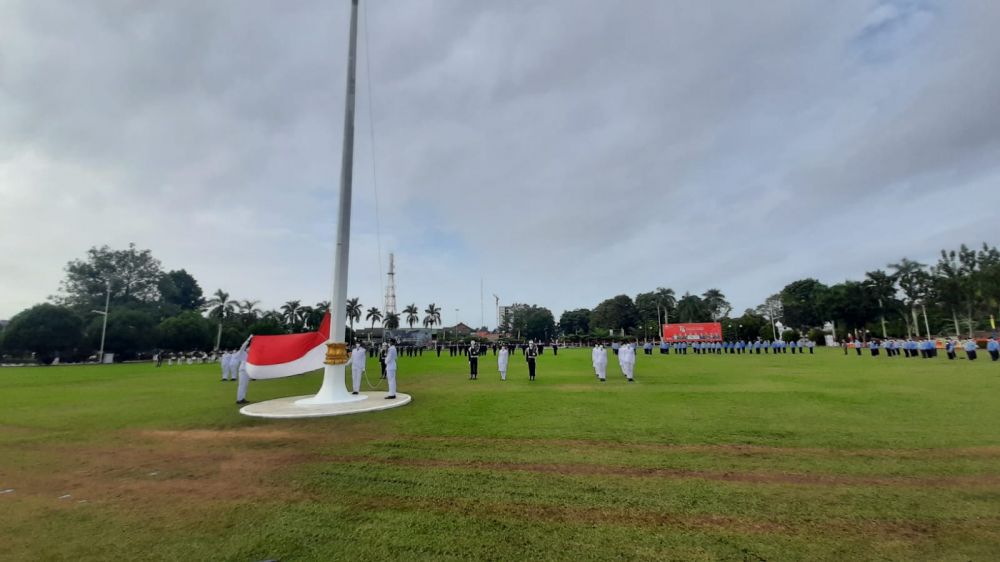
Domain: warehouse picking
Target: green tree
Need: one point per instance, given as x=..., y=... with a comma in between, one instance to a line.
x=132, y=274
x=432, y=316
x=690, y=308
x=618, y=313
x=575, y=321
x=533, y=322
x=716, y=304
x=185, y=332
x=47, y=330
x=914, y=282
x=291, y=314
x=375, y=315
x=391, y=321
x=219, y=307
x=353, y=312
x=180, y=291
x=130, y=332
x=801, y=302
x=412, y=314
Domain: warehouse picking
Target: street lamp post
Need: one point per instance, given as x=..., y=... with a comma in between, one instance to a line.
x=104, y=324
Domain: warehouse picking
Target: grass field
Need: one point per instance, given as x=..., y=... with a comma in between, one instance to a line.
x=704, y=458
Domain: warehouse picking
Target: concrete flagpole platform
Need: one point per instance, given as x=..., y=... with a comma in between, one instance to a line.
x=293, y=407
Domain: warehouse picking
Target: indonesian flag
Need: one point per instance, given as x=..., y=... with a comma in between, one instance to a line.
x=274, y=357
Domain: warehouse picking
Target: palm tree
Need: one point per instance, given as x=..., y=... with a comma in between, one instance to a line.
x=391, y=321
x=433, y=316
x=715, y=301
x=913, y=280
x=290, y=313
x=306, y=314
x=220, y=307
x=353, y=312
x=691, y=308
x=667, y=299
x=373, y=314
x=248, y=310
x=315, y=314
x=412, y=314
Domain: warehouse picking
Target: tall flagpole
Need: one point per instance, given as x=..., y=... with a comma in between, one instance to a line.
x=333, y=389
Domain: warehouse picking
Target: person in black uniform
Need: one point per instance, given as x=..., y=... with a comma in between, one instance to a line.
x=555, y=348
x=473, y=360
x=529, y=355
x=383, y=350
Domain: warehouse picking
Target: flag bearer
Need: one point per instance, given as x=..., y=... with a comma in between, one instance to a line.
x=390, y=369
x=359, y=356
x=503, y=360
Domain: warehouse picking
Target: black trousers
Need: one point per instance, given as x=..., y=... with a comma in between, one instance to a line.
x=951, y=355
x=971, y=355
x=473, y=366
x=874, y=352
x=994, y=355
x=531, y=368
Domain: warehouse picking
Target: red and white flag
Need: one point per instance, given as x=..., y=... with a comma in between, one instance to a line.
x=274, y=357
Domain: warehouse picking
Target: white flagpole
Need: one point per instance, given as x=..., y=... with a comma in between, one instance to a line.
x=333, y=388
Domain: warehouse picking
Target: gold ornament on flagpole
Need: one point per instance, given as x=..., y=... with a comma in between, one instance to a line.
x=336, y=353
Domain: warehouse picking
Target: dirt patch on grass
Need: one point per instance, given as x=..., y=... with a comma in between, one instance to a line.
x=671, y=473
x=988, y=451
x=909, y=531
x=171, y=472
x=250, y=433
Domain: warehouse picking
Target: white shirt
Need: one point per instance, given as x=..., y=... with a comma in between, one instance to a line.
x=390, y=358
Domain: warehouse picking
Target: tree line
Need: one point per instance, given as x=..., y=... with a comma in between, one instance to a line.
x=152, y=309
x=956, y=296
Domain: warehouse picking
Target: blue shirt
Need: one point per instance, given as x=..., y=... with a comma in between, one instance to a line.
x=970, y=346
x=992, y=345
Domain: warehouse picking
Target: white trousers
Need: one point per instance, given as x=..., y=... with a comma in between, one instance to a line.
x=503, y=374
x=356, y=378
x=241, y=389
x=629, y=369
x=602, y=372
x=390, y=374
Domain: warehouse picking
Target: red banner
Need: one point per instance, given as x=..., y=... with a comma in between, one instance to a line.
x=707, y=331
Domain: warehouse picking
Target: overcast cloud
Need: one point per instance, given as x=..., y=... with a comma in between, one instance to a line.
x=562, y=151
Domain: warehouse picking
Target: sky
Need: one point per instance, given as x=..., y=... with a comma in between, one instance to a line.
x=556, y=153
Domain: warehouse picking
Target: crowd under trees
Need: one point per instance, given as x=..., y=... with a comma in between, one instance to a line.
x=151, y=309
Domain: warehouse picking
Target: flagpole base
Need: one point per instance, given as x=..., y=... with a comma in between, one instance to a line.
x=333, y=389
x=292, y=408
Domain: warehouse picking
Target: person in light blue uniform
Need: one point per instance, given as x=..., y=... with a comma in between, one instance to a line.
x=970, y=350
x=949, y=348
x=874, y=347
x=793, y=346
x=993, y=347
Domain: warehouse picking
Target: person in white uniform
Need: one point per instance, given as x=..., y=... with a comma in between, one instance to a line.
x=628, y=363
x=359, y=355
x=593, y=358
x=225, y=366
x=239, y=361
x=601, y=363
x=390, y=369
x=503, y=359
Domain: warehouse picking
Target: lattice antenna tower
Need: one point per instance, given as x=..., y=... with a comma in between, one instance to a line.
x=390, y=288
